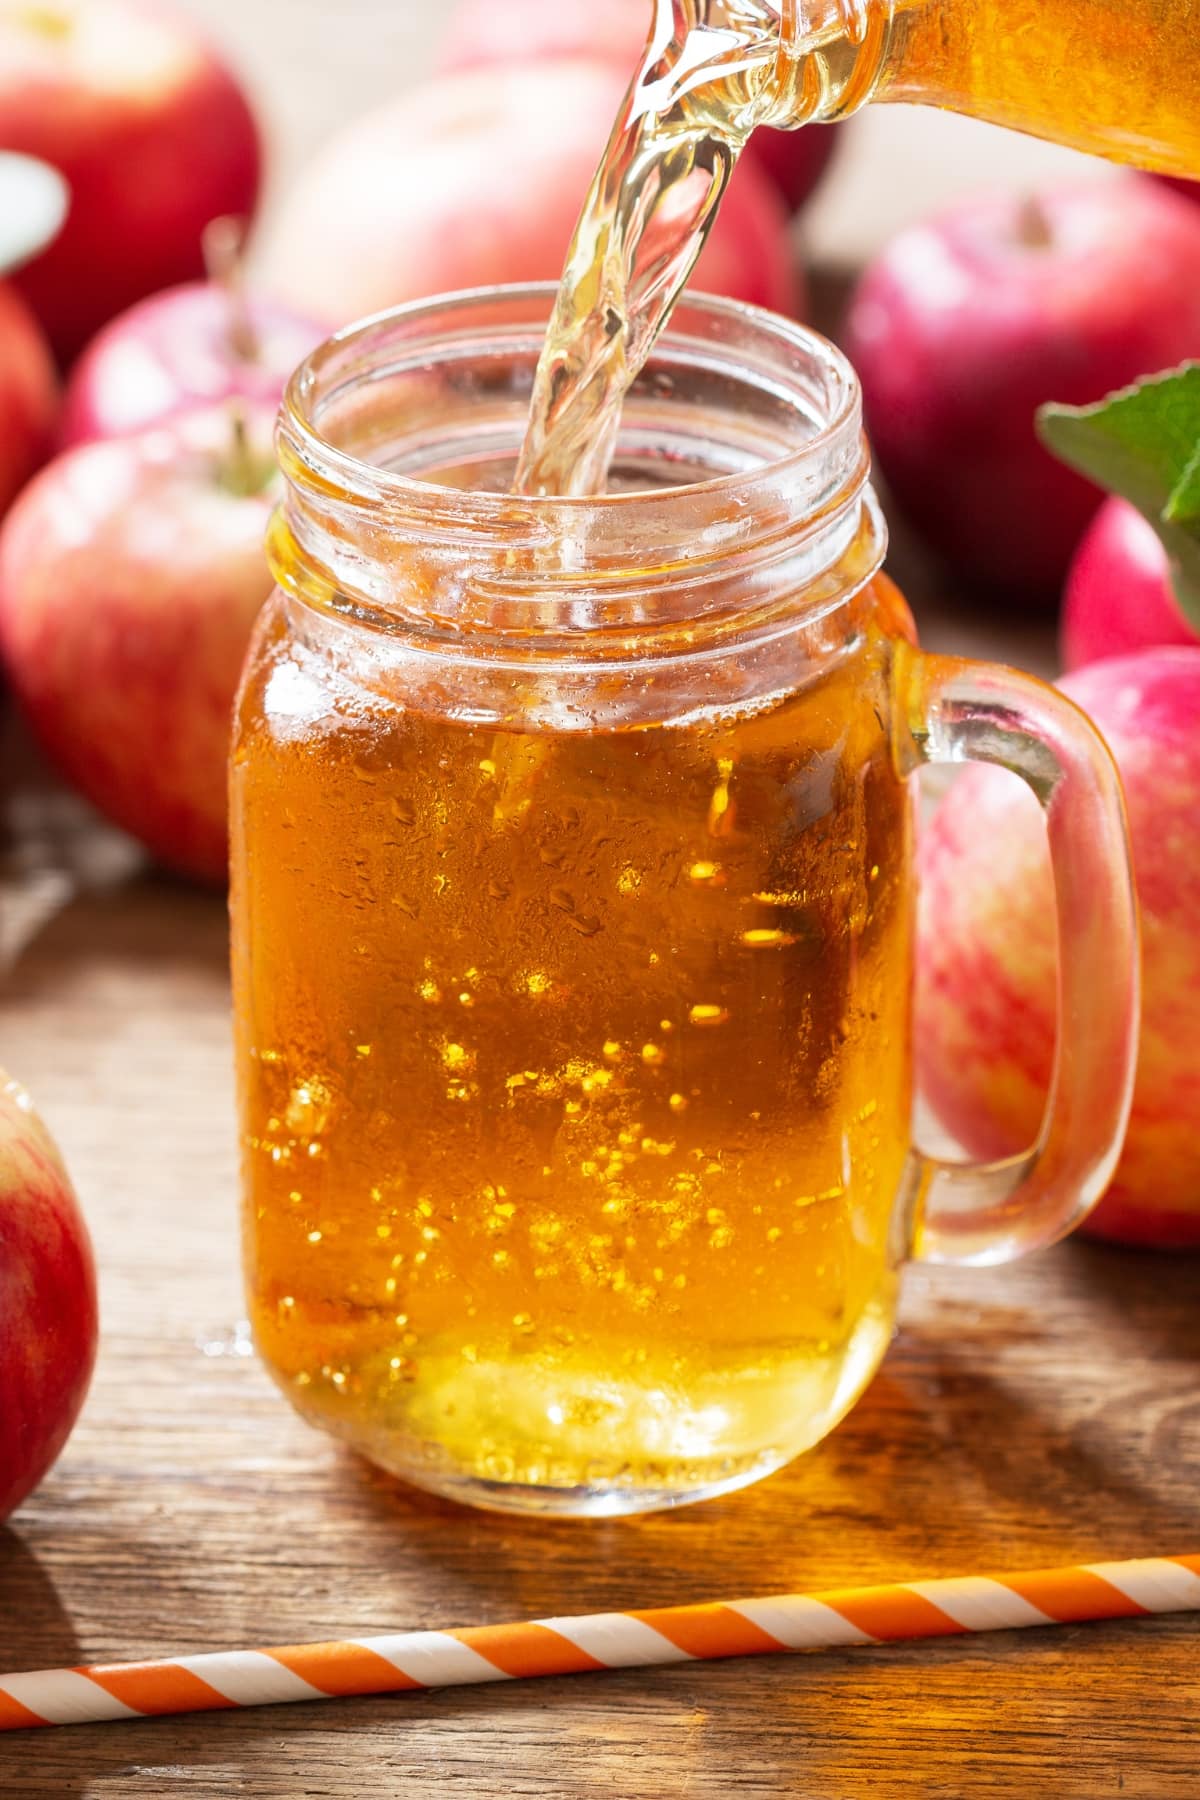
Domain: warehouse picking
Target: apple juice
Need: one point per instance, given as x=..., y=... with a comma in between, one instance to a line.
x=575, y=1073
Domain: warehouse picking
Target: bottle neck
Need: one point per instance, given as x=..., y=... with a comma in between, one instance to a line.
x=833, y=56
x=803, y=61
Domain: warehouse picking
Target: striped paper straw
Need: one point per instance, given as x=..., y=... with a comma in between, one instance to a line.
x=638, y=1639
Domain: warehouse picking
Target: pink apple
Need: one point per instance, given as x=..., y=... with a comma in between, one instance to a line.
x=189, y=346
x=987, y=948
x=1119, y=594
x=131, y=572
x=153, y=134
x=28, y=396
x=477, y=178
x=481, y=33
x=47, y=1300
x=967, y=323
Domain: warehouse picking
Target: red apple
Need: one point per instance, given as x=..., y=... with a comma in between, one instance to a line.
x=153, y=134
x=482, y=33
x=478, y=178
x=1182, y=185
x=794, y=160
x=986, y=1012
x=189, y=346
x=966, y=324
x=131, y=572
x=28, y=396
x=33, y=205
x=1119, y=593
x=47, y=1300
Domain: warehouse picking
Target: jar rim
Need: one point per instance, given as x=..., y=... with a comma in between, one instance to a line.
x=788, y=521
x=803, y=365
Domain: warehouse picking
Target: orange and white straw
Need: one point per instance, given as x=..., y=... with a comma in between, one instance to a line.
x=638, y=1639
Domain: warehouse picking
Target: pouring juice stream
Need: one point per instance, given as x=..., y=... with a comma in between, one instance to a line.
x=1116, y=78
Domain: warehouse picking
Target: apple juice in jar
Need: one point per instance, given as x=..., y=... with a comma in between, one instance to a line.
x=572, y=920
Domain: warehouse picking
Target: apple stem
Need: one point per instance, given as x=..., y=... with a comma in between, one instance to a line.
x=239, y=475
x=246, y=469
x=224, y=246
x=1034, y=229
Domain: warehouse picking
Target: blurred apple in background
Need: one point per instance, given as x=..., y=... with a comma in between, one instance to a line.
x=47, y=1300
x=33, y=204
x=478, y=178
x=481, y=32
x=131, y=572
x=966, y=324
x=794, y=160
x=153, y=135
x=189, y=346
x=1119, y=594
x=1189, y=189
x=986, y=993
x=28, y=396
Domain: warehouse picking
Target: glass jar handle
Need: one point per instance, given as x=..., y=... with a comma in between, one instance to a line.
x=954, y=711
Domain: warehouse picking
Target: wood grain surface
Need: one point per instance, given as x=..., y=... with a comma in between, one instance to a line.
x=1038, y=1414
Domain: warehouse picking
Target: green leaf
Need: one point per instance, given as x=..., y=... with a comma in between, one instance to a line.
x=1183, y=508
x=1143, y=443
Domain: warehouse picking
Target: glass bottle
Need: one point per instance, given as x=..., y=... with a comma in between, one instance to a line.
x=1120, y=78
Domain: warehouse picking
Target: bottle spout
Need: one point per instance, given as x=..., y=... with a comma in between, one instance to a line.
x=833, y=54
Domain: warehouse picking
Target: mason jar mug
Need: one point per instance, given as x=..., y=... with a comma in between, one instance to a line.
x=573, y=899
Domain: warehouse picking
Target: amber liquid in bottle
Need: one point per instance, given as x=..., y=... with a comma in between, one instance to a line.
x=1118, y=77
